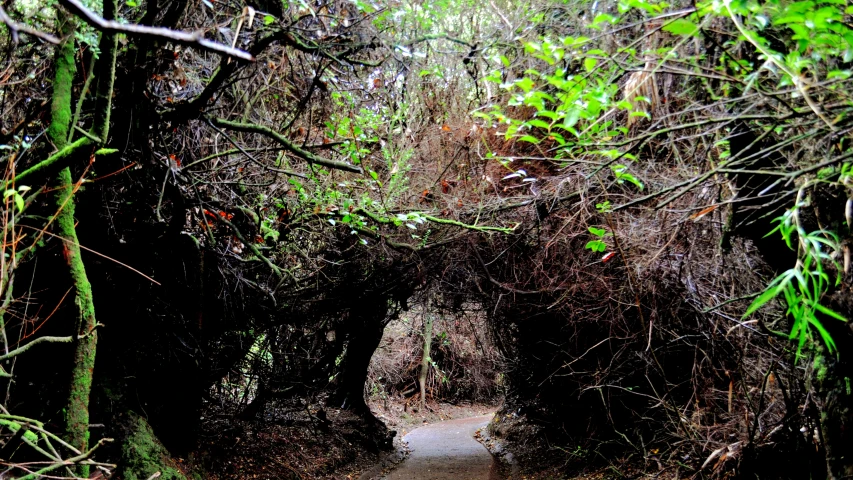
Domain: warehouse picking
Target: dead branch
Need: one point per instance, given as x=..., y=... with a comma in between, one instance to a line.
x=195, y=39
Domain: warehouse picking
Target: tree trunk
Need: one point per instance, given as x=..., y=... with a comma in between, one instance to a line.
x=364, y=333
x=77, y=408
x=425, y=360
x=831, y=379
x=359, y=351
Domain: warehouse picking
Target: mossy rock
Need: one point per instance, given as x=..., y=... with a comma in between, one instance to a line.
x=142, y=454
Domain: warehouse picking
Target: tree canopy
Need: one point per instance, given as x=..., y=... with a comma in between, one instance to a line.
x=648, y=203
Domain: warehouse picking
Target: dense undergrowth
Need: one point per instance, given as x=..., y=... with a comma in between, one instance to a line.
x=632, y=221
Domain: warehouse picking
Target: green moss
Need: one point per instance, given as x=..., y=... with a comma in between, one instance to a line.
x=77, y=408
x=820, y=368
x=62, y=157
x=77, y=413
x=142, y=454
x=60, y=106
x=15, y=426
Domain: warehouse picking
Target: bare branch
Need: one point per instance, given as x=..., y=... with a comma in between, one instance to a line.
x=284, y=142
x=26, y=347
x=20, y=350
x=16, y=28
x=195, y=39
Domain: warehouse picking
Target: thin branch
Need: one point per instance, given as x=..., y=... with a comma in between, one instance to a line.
x=250, y=245
x=479, y=228
x=252, y=158
x=17, y=28
x=24, y=348
x=155, y=282
x=70, y=461
x=195, y=39
x=284, y=142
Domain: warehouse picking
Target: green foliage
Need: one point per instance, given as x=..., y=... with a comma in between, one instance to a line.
x=16, y=196
x=804, y=286
x=682, y=27
x=598, y=244
x=621, y=173
x=571, y=103
x=267, y=230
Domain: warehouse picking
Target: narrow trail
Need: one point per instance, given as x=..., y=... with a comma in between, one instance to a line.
x=447, y=450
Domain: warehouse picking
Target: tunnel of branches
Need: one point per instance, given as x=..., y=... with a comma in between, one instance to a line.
x=235, y=269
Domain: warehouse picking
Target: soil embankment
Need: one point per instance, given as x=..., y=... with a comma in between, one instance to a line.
x=447, y=450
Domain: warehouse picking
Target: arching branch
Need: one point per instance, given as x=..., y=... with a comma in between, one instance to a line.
x=284, y=142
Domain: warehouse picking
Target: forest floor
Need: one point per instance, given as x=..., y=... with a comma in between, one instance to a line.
x=290, y=441
x=523, y=453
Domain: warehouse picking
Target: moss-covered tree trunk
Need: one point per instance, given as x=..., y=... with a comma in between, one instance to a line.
x=831, y=379
x=77, y=407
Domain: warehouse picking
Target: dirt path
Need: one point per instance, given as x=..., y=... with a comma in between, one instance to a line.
x=447, y=450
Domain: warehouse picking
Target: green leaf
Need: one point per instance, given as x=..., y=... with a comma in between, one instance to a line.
x=775, y=288
x=828, y=312
x=682, y=27
x=572, y=118
x=762, y=299
x=598, y=232
x=538, y=123
x=604, y=18
x=589, y=63
x=596, y=246
x=824, y=334
x=622, y=175
x=529, y=138
x=525, y=83
x=842, y=74
x=269, y=19
x=19, y=202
